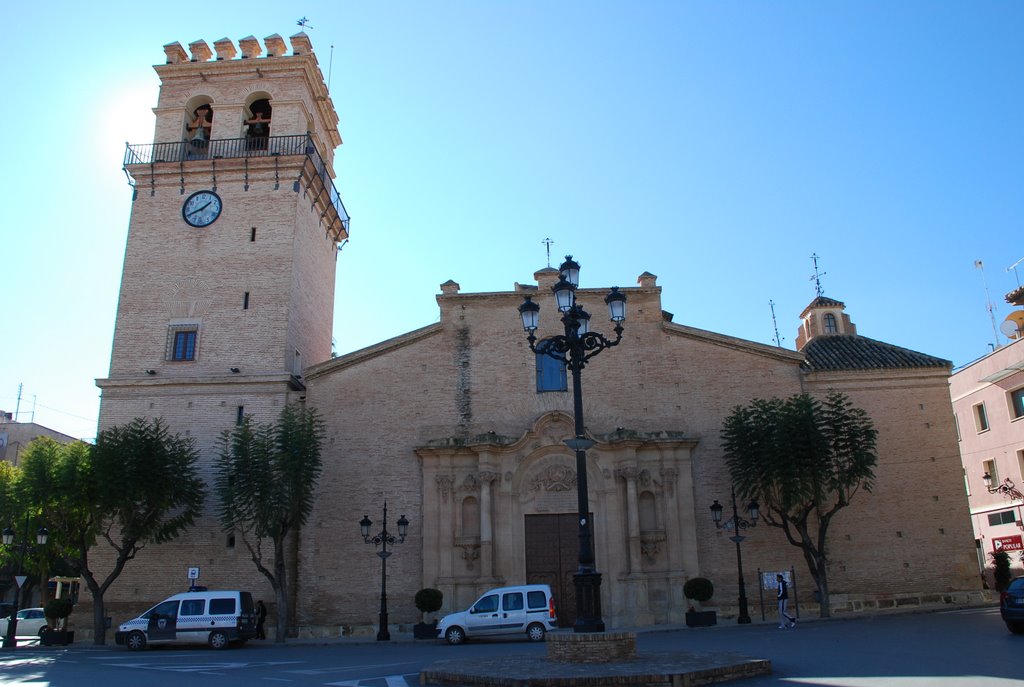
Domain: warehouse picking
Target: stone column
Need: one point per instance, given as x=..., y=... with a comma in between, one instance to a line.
x=445, y=525
x=486, y=477
x=629, y=473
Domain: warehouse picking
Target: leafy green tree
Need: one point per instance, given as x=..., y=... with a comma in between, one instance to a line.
x=138, y=485
x=19, y=513
x=803, y=460
x=266, y=476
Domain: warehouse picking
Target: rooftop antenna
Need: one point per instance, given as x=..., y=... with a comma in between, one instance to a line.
x=330, y=67
x=1014, y=268
x=817, y=276
x=988, y=303
x=775, y=324
x=547, y=243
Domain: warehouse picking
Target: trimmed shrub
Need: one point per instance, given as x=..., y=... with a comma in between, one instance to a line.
x=698, y=589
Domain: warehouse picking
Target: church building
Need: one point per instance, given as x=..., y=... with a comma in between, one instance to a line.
x=225, y=311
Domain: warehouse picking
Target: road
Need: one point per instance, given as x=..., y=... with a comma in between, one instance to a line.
x=968, y=648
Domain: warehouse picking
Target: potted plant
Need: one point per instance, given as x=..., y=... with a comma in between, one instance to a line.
x=57, y=633
x=699, y=589
x=428, y=600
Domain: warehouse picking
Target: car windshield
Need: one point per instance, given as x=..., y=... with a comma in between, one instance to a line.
x=1016, y=585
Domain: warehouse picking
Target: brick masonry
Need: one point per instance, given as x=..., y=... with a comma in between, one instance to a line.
x=446, y=423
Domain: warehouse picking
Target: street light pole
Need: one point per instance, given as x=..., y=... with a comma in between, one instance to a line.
x=382, y=539
x=11, y=638
x=574, y=348
x=737, y=523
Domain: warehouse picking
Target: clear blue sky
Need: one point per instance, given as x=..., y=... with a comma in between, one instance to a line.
x=716, y=144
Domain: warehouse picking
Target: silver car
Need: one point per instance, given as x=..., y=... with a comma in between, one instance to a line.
x=31, y=623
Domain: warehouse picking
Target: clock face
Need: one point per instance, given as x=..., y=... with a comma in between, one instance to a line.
x=201, y=209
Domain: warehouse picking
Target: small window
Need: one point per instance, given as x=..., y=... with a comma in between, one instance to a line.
x=252, y=235
x=988, y=467
x=193, y=606
x=184, y=345
x=222, y=606
x=550, y=371
x=1004, y=517
x=245, y=301
x=488, y=604
x=536, y=599
x=981, y=418
x=1017, y=402
x=512, y=602
x=240, y=416
x=831, y=327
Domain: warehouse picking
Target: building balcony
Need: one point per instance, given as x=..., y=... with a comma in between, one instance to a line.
x=184, y=152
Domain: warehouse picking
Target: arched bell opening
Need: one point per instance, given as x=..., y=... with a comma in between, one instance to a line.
x=257, y=125
x=199, y=122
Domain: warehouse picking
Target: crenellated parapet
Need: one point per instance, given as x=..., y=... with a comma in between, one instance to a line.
x=199, y=51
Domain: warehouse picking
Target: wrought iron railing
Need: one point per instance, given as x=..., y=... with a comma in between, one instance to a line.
x=228, y=148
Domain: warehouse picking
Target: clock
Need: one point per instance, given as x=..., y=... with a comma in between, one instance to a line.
x=201, y=209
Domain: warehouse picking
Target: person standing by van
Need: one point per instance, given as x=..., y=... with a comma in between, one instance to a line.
x=261, y=617
x=785, y=620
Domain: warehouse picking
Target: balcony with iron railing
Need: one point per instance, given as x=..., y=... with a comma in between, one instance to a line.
x=236, y=148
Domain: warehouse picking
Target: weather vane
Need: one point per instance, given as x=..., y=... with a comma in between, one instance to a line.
x=817, y=276
x=304, y=23
x=547, y=243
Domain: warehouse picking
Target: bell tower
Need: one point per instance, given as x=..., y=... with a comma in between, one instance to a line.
x=227, y=290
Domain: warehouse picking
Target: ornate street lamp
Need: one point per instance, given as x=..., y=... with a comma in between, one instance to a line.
x=383, y=539
x=1007, y=488
x=574, y=348
x=42, y=535
x=737, y=523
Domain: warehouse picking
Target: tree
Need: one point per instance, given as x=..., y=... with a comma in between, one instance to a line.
x=137, y=486
x=266, y=476
x=18, y=512
x=803, y=460
x=1001, y=569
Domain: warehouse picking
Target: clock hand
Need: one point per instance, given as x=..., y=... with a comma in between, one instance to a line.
x=200, y=209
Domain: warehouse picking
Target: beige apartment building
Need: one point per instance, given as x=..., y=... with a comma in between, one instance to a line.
x=988, y=399
x=225, y=310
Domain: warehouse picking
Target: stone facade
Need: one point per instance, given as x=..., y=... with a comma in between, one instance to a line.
x=457, y=437
x=446, y=423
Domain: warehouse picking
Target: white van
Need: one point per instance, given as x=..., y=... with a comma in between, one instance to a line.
x=528, y=609
x=214, y=618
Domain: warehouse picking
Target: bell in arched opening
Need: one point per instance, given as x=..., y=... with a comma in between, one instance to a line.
x=199, y=128
x=257, y=133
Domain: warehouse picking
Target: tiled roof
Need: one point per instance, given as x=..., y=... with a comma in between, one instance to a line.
x=822, y=302
x=845, y=352
x=1016, y=297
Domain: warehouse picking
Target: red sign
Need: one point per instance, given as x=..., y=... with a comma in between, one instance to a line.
x=1013, y=543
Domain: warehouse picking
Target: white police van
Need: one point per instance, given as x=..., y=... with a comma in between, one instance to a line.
x=199, y=617
x=527, y=609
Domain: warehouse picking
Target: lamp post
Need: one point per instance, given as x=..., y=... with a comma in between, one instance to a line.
x=1007, y=488
x=382, y=539
x=574, y=348
x=10, y=639
x=737, y=523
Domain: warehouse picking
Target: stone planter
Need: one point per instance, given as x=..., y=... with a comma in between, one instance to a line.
x=57, y=637
x=701, y=618
x=425, y=630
